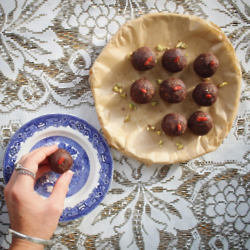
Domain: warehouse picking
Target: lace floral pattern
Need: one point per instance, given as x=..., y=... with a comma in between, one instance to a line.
x=26, y=36
x=46, y=50
x=98, y=20
x=227, y=200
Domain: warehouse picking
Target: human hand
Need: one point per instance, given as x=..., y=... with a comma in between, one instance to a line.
x=29, y=213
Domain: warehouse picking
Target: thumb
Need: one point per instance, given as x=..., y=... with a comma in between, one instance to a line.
x=61, y=188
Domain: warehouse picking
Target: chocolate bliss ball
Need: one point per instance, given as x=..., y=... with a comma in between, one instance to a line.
x=173, y=60
x=142, y=91
x=205, y=94
x=200, y=123
x=205, y=65
x=173, y=90
x=143, y=59
x=174, y=124
x=60, y=161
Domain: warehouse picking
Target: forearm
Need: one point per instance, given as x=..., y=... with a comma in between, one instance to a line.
x=21, y=244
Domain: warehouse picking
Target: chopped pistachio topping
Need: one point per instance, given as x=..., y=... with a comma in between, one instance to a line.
x=154, y=103
x=158, y=132
x=179, y=145
x=160, y=142
x=150, y=127
x=127, y=118
x=181, y=45
x=129, y=55
x=123, y=94
x=160, y=47
x=117, y=88
x=159, y=81
x=132, y=106
x=220, y=85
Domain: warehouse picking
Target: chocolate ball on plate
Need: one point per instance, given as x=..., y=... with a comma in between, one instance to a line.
x=60, y=161
x=174, y=124
x=173, y=90
x=206, y=64
x=142, y=91
x=143, y=59
x=200, y=123
x=205, y=94
x=173, y=60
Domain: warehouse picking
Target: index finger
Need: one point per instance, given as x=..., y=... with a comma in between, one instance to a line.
x=30, y=162
x=32, y=159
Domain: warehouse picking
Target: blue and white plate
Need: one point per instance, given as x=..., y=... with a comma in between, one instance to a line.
x=92, y=165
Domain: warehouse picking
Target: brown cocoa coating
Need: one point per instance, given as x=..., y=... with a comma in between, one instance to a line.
x=205, y=94
x=200, y=123
x=173, y=90
x=206, y=64
x=60, y=161
x=173, y=60
x=174, y=124
x=142, y=91
x=143, y=59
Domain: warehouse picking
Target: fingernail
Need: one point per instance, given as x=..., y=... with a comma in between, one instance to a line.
x=70, y=172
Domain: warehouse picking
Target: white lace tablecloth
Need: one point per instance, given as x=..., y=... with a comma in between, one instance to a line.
x=46, y=50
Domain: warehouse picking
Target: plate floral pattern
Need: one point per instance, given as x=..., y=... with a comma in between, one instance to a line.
x=46, y=50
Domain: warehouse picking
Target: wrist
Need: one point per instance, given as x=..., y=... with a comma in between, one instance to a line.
x=22, y=244
x=28, y=238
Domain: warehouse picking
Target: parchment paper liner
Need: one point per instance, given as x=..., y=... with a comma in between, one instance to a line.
x=114, y=67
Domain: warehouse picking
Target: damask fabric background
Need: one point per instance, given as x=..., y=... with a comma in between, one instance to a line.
x=46, y=50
